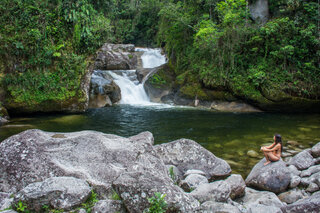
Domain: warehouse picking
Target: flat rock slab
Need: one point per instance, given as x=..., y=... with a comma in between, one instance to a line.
x=274, y=177
x=57, y=192
x=216, y=207
x=187, y=155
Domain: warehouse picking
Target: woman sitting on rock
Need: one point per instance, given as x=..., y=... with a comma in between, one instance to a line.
x=273, y=152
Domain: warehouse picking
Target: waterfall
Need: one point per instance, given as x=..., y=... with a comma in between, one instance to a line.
x=132, y=92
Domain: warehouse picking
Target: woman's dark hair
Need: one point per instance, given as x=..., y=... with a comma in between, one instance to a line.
x=278, y=139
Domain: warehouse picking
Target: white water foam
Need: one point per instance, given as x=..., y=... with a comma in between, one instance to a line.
x=151, y=58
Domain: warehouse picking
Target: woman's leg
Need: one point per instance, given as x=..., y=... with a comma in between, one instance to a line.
x=270, y=157
x=267, y=158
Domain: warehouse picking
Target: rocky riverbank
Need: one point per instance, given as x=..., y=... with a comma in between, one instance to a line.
x=76, y=171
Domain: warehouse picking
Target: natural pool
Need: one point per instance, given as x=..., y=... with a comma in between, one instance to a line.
x=228, y=135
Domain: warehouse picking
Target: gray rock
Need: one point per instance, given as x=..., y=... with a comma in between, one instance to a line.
x=291, y=196
x=305, y=182
x=135, y=188
x=9, y=211
x=218, y=191
x=98, y=158
x=259, y=208
x=103, y=90
x=143, y=138
x=116, y=57
x=310, y=171
x=237, y=186
x=274, y=177
x=187, y=154
x=110, y=206
x=317, y=160
x=253, y=197
x=175, y=175
x=5, y=200
x=315, y=150
x=308, y=205
x=194, y=171
x=58, y=192
x=293, y=170
x=302, y=160
x=3, y=121
x=216, y=207
x=192, y=181
x=313, y=187
x=260, y=11
x=295, y=181
x=82, y=211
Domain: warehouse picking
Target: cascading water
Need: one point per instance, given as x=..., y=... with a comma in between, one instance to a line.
x=132, y=92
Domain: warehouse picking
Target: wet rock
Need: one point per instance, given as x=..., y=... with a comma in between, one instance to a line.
x=110, y=206
x=310, y=171
x=315, y=150
x=218, y=191
x=233, y=106
x=192, y=181
x=254, y=197
x=252, y=153
x=260, y=11
x=187, y=154
x=310, y=205
x=291, y=196
x=295, y=181
x=103, y=90
x=302, y=160
x=134, y=188
x=5, y=200
x=274, y=177
x=58, y=192
x=116, y=57
x=237, y=186
x=216, y=207
x=259, y=208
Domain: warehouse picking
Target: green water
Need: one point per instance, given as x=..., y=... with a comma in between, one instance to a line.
x=227, y=135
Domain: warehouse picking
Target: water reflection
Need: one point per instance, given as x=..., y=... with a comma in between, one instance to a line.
x=228, y=135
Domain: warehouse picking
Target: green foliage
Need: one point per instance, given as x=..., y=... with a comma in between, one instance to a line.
x=172, y=175
x=157, y=203
x=115, y=196
x=91, y=201
x=21, y=207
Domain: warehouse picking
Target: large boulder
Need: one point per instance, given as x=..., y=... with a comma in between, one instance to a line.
x=57, y=192
x=187, y=154
x=310, y=205
x=237, y=186
x=302, y=160
x=103, y=90
x=310, y=171
x=116, y=57
x=291, y=196
x=218, y=191
x=192, y=181
x=130, y=166
x=274, y=177
x=5, y=200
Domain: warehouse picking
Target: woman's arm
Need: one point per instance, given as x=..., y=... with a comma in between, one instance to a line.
x=276, y=147
x=271, y=146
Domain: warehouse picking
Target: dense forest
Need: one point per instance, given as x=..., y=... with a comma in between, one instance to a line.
x=46, y=46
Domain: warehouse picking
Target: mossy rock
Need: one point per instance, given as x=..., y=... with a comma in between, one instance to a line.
x=163, y=78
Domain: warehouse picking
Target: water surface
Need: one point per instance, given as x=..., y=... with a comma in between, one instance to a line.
x=227, y=135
